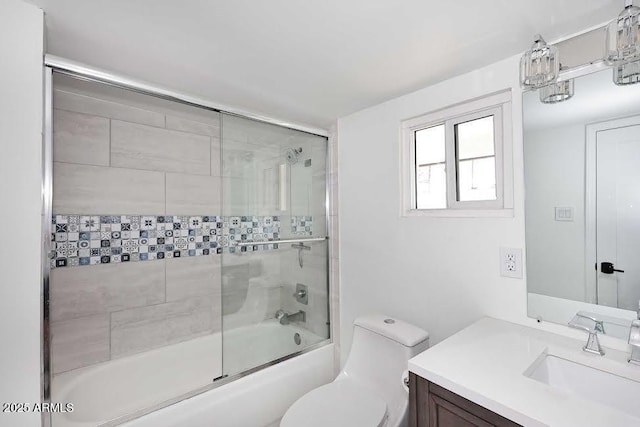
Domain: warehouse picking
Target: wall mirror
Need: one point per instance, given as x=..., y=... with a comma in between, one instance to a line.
x=582, y=183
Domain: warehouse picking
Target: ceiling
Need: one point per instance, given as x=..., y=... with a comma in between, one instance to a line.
x=308, y=62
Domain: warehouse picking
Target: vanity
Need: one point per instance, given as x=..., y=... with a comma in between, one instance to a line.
x=496, y=373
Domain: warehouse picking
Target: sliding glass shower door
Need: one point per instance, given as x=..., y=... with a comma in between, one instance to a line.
x=187, y=246
x=274, y=261
x=134, y=301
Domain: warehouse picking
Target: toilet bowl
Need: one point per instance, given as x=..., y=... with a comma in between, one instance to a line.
x=370, y=390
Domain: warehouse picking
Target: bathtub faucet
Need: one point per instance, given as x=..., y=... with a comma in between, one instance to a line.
x=285, y=317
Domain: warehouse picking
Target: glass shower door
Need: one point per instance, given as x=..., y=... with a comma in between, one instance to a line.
x=274, y=259
x=134, y=302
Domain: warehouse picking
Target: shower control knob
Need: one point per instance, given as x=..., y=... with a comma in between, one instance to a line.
x=301, y=294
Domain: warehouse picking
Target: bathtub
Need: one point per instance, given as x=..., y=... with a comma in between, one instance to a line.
x=113, y=392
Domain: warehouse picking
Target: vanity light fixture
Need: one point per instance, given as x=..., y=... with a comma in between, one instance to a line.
x=540, y=65
x=622, y=36
x=626, y=74
x=557, y=92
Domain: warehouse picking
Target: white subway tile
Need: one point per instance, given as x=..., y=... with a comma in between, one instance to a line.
x=194, y=277
x=145, y=147
x=216, y=156
x=192, y=194
x=145, y=328
x=86, y=290
x=90, y=190
x=79, y=342
x=80, y=138
x=209, y=128
x=98, y=107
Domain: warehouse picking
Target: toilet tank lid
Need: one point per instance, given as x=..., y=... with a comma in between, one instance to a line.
x=394, y=329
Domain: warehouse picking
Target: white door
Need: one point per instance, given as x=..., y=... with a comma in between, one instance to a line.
x=618, y=217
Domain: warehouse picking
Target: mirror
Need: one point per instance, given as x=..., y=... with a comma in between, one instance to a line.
x=582, y=192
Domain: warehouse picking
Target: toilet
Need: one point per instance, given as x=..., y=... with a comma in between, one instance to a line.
x=370, y=391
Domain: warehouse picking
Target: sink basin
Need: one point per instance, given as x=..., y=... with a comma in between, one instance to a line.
x=587, y=382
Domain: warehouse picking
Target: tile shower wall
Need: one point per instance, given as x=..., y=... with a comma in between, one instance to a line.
x=274, y=167
x=120, y=167
x=314, y=271
x=334, y=260
x=133, y=181
x=142, y=182
x=104, y=239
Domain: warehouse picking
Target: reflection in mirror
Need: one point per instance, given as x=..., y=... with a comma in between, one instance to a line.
x=582, y=200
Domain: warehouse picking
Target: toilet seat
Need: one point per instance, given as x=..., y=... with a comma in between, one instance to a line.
x=342, y=403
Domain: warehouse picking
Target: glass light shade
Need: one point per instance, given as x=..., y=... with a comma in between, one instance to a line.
x=557, y=92
x=626, y=74
x=622, y=39
x=540, y=65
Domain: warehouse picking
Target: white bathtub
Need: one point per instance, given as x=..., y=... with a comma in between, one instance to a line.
x=121, y=387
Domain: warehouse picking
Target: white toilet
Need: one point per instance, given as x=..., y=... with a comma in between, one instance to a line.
x=370, y=390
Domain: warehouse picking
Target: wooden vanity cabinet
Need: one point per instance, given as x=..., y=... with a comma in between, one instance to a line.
x=433, y=406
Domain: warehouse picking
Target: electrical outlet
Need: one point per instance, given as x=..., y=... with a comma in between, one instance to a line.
x=511, y=262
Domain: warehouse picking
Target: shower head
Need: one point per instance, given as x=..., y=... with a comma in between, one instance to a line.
x=292, y=155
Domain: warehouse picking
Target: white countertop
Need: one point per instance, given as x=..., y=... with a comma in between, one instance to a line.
x=485, y=363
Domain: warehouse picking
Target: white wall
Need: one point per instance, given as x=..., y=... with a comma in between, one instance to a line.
x=439, y=273
x=21, y=49
x=555, y=178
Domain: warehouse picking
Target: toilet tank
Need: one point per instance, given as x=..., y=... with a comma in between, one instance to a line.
x=380, y=350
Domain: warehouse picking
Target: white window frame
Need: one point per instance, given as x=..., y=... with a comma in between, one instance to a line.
x=497, y=105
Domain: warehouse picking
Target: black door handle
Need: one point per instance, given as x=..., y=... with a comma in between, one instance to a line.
x=607, y=268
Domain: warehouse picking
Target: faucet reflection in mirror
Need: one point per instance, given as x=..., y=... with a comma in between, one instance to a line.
x=634, y=340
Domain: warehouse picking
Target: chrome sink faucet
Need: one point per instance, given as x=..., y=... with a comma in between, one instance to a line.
x=593, y=343
x=634, y=340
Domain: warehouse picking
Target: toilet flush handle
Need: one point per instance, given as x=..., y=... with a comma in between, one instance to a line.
x=405, y=381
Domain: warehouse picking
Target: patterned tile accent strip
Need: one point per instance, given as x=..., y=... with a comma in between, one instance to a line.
x=302, y=225
x=104, y=239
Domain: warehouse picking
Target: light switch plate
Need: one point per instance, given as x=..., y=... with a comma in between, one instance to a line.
x=511, y=262
x=564, y=213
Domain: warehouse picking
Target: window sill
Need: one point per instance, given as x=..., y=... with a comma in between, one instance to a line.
x=459, y=213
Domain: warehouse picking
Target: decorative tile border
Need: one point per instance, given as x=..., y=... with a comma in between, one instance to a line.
x=302, y=225
x=94, y=239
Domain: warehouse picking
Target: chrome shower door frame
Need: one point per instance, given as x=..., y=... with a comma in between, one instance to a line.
x=63, y=66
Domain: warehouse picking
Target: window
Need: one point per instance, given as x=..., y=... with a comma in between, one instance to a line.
x=431, y=179
x=454, y=158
